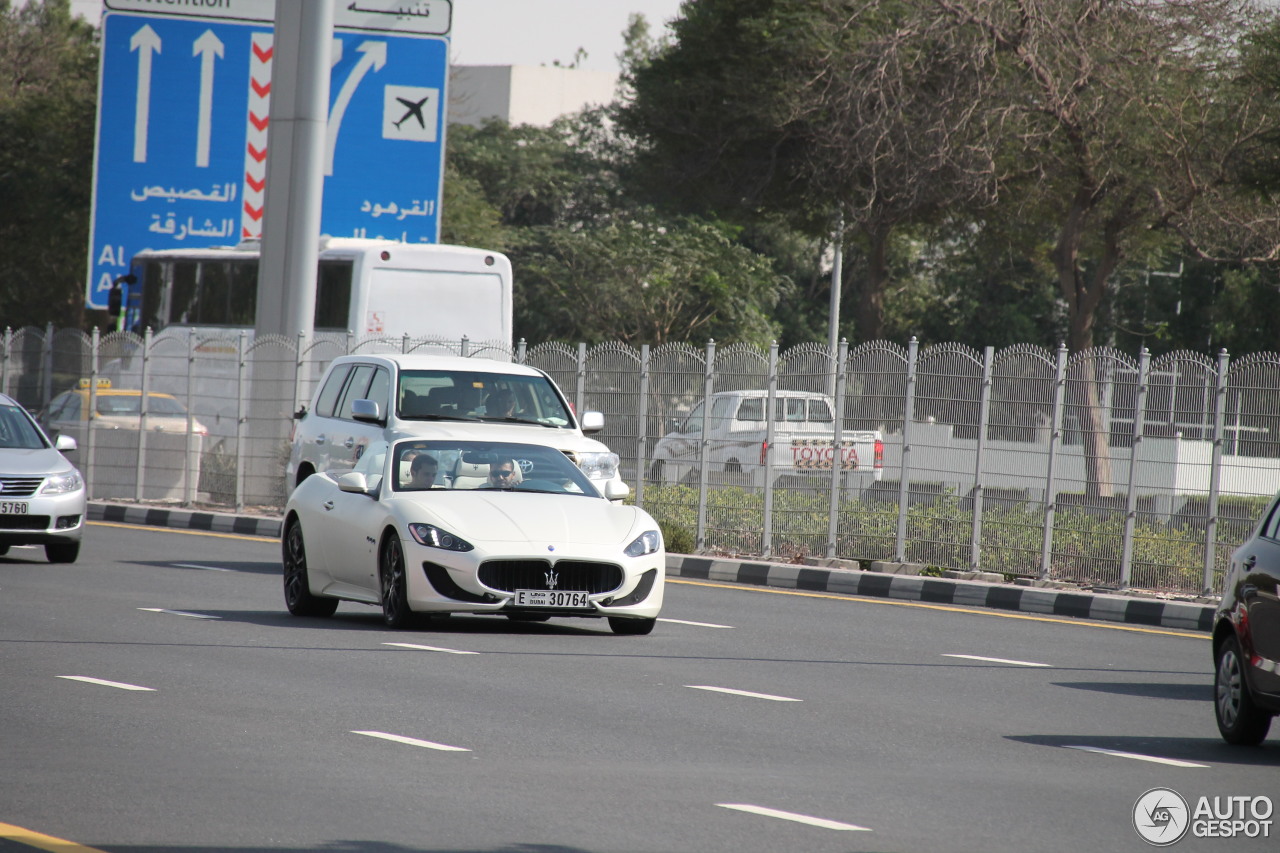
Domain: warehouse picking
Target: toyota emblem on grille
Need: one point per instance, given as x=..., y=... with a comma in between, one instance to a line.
x=552, y=579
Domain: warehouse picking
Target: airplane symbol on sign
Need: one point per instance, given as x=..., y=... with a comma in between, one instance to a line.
x=414, y=108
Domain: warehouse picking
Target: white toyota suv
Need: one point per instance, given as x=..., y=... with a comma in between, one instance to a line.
x=369, y=398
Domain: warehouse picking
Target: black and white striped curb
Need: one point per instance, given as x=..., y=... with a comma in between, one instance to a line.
x=219, y=522
x=961, y=593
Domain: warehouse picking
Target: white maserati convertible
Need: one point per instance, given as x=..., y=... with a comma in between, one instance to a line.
x=436, y=527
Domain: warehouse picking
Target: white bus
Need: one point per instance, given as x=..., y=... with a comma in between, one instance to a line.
x=367, y=287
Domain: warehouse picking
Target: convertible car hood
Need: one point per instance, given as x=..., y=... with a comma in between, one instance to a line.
x=495, y=516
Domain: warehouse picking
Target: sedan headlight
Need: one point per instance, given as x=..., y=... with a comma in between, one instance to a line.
x=598, y=466
x=646, y=543
x=434, y=537
x=61, y=484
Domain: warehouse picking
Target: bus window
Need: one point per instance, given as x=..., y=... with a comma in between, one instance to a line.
x=184, y=291
x=333, y=295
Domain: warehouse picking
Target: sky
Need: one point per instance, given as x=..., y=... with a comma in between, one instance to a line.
x=531, y=32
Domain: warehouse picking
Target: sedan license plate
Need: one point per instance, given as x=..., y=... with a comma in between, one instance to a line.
x=13, y=508
x=550, y=598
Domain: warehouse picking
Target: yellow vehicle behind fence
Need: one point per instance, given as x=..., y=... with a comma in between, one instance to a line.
x=115, y=408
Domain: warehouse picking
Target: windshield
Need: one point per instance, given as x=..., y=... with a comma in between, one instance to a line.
x=478, y=396
x=19, y=431
x=465, y=465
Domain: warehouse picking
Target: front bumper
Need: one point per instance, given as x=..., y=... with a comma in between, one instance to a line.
x=48, y=519
x=449, y=582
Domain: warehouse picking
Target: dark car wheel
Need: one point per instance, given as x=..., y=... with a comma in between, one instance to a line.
x=62, y=552
x=297, y=586
x=1239, y=720
x=631, y=627
x=395, y=589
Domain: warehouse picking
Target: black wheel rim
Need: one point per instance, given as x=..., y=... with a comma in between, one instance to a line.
x=393, y=603
x=295, y=565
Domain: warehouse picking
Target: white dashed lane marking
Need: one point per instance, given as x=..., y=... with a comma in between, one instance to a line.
x=746, y=693
x=798, y=818
x=999, y=660
x=87, y=680
x=419, y=648
x=178, y=613
x=1154, y=759
x=411, y=741
x=695, y=624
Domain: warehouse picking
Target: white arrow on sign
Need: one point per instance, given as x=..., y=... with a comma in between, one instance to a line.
x=207, y=47
x=375, y=56
x=144, y=41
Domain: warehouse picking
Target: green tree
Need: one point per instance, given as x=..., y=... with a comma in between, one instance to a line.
x=48, y=100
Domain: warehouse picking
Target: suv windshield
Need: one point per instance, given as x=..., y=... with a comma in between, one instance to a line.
x=479, y=396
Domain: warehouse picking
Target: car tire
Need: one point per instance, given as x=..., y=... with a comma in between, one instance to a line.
x=394, y=585
x=297, y=584
x=631, y=627
x=4, y=549
x=61, y=552
x=1240, y=721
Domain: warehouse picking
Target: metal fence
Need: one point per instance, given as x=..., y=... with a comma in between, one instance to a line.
x=1097, y=467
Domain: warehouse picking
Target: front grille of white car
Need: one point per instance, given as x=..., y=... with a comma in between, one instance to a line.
x=510, y=575
x=19, y=487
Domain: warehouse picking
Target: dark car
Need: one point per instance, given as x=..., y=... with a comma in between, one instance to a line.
x=1246, y=636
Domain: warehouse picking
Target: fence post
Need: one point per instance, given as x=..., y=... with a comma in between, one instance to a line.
x=46, y=361
x=300, y=372
x=1131, y=499
x=4, y=360
x=580, y=394
x=188, y=481
x=142, y=414
x=1055, y=439
x=642, y=435
x=837, y=446
x=404, y=343
x=241, y=418
x=767, y=452
x=94, y=346
x=464, y=348
x=908, y=415
x=522, y=352
x=351, y=337
x=1215, y=475
x=984, y=413
x=704, y=461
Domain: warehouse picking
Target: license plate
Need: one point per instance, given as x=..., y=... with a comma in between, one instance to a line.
x=550, y=598
x=13, y=508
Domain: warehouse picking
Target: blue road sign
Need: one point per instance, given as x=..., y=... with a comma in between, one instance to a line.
x=183, y=128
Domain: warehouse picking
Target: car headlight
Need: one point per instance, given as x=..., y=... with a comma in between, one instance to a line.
x=434, y=537
x=646, y=543
x=598, y=466
x=61, y=484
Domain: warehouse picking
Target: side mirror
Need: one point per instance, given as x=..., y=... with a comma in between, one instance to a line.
x=354, y=482
x=592, y=421
x=65, y=443
x=366, y=411
x=615, y=491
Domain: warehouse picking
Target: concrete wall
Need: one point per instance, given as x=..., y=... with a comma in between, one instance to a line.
x=524, y=94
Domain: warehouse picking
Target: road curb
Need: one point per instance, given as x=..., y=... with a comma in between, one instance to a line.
x=1187, y=616
x=183, y=519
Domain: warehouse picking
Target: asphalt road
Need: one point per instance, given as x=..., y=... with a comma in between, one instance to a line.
x=750, y=720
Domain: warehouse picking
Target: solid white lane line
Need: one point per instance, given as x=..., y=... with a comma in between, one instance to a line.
x=999, y=660
x=743, y=693
x=798, y=818
x=178, y=613
x=413, y=741
x=195, y=566
x=696, y=624
x=87, y=680
x=431, y=648
x=1154, y=759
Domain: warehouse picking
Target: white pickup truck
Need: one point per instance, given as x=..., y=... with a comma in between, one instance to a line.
x=735, y=433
